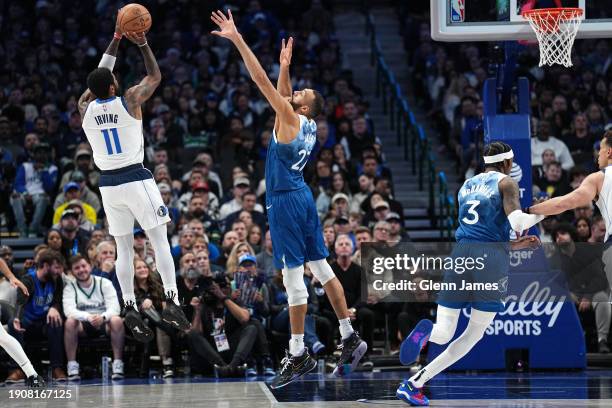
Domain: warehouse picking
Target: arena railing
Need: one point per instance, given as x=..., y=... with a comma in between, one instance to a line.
x=411, y=136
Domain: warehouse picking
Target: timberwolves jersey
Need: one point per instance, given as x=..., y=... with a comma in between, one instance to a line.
x=115, y=136
x=481, y=211
x=40, y=301
x=285, y=162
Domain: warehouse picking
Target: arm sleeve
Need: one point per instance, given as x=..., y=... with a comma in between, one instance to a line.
x=110, y=297
x=70, y=304
x=519, y=221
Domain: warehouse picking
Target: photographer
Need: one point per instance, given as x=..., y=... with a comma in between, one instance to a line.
x=220, y=331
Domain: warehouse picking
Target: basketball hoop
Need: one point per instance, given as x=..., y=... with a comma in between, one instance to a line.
x=556, y=29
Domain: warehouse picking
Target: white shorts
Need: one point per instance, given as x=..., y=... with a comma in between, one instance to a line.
x=138, y=200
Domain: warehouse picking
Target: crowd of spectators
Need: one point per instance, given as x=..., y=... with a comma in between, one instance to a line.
x=571, y=108
x=206, y=132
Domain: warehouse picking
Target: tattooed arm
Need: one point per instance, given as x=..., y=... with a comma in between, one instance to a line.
x=139, y=94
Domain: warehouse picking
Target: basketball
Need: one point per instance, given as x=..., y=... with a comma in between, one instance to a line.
x=135, y=18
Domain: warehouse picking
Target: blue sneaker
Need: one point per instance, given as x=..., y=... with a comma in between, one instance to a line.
x=411, y=394
x=416, y=340
x=251, y=372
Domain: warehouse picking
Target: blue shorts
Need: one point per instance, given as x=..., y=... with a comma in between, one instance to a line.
x=295, y=229
x=496, y=263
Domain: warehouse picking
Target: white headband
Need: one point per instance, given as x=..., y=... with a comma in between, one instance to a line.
x=498, y=157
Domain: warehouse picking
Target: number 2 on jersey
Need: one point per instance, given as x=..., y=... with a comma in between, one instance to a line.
x=109, y=144
x=299, y=166
x=472, y=211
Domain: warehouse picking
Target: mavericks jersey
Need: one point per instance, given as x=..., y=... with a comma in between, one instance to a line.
x=115, y=136
x=285, y=162
x=481, y=211
x=604, y=201
x=40, y=301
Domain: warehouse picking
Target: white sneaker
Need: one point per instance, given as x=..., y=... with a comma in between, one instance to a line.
x=168, y=364
x=73, y=371
x=117, y=370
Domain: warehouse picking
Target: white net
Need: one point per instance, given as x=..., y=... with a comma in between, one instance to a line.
x=556, y=30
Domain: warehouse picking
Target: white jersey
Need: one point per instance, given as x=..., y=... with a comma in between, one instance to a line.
x=99, y=298
x=114, y=135
x=604, y=202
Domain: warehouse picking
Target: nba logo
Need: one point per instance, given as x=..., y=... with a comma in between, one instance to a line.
x=457, y=11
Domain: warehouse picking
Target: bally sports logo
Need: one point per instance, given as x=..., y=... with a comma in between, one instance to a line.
x=534, y=301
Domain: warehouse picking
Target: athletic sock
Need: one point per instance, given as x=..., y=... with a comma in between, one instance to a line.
x=296, y=345
x=346, y=329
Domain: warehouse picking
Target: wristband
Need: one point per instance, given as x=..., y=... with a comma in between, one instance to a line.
x=117, y=36
x=107, y=61
x=142, y=45
x=526, y=210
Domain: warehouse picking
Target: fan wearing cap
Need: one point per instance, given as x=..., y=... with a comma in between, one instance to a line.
x=489, y=209
x=85, y=194
x=83, y=163
x=396, y=229
x=34, y=183
x=241, y=186
x=72, y=195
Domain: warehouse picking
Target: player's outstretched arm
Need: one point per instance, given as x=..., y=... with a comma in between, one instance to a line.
x=283, y=85
x=282, y=107
x=519, y=221
x=107, y=61
x=580, y=197
x=139, y=94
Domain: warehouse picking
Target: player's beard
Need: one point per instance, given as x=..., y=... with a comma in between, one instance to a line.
x=294, y=105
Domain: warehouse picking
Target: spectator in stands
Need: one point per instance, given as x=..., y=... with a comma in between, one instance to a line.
x=553, y=183
x=241, y=186
x=543, y=140
x=586, y=278
x=362, y=234
x=232, y=265
x=53, y=239
x=396, y=229
x=230, y=238
x=580, y=141
x=239, y=227
x=142, y=248
x=583, y=229
x=265, y=260
x=548, y=156
x=86, y=214
x=381, y=232
x=38, y=315
x=83, y=162
x=366, y=187
x=104, y=266
x=598, y=229
x=249, y=203
x=254, y=237
x=186, y=238
x=81, y=192
x=75, y=238
x=34, y=185
x=150, y=300
x=92, y=310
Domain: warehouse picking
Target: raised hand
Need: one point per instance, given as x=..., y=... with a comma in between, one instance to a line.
x=286, y=51
x=137, y=38
x=227, y=28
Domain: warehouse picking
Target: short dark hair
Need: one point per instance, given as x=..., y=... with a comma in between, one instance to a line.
x=317, y=104
x=608, y=137
x=495, y=148
x=75, y=259
x=99, y=81
x=49, y=256
x=565, y=228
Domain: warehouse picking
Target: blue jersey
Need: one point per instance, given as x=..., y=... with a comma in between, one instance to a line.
x=40, y=301
x=481, y=211
x=285, y=162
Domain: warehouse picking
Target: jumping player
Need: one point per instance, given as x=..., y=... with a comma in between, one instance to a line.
x=113, y=126
x=595, y=187
x=10, y=344
x=292, y=215
x=489, y=208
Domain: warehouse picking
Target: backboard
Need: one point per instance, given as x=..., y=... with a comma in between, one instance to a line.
x=500, y=20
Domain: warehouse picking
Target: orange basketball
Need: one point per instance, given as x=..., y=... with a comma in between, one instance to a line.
x=135, y=18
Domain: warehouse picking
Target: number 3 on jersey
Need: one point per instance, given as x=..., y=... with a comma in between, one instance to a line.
x=109, y=144
x=472, y=212
x=299, y=166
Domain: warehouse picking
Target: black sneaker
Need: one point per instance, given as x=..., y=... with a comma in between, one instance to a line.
x=292, y=368
x=133, y=321
x=173, y=314
x=35, y=381
x=353, y=350
x=603, y=347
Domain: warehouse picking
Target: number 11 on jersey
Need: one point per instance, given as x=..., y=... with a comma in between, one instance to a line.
x=109, y=144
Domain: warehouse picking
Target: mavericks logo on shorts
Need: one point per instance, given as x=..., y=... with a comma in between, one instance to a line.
x=162, y=211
